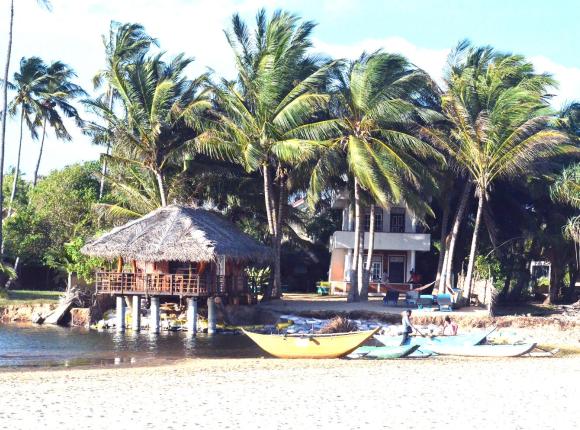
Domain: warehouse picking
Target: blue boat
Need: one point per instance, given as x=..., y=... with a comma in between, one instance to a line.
x=425, y=342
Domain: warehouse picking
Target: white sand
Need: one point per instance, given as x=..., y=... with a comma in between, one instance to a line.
x=521, y=393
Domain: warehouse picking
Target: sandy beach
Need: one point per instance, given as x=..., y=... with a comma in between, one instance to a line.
x=524, y=393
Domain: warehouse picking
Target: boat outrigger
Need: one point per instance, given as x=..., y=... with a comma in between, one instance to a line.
x=333, y=345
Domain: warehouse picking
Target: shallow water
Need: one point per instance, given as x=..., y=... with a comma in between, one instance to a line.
x=46, y=346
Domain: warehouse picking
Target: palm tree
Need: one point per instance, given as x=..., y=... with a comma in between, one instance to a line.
x=45, y=3
x=265, y=114
x=379, y=100
x=29, y=83
x=55, y=98
x=566, y=189
x=124, y=44
x=499, y=127
x=163, y=113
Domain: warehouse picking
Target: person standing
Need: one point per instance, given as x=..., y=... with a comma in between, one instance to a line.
x=408, y=326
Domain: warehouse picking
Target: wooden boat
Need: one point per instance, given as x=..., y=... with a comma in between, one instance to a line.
x=310, y=345
x=383, y=352
x=484, y=350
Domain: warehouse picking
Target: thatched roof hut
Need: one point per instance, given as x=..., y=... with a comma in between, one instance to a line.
x=178, y=233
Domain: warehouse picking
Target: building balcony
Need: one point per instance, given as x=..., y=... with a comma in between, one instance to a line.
x=384, y=241
x=162, y=284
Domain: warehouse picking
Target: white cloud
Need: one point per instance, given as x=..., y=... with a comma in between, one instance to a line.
x=430, y=60
x=567, y=77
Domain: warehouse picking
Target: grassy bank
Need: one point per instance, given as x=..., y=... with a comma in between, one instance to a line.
x=28, y=297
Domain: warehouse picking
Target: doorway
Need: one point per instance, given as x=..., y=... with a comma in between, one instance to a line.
x=396, y=269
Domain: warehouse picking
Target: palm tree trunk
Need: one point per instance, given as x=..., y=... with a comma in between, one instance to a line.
x=353, y=292
x=471, y=263
x=268, y=198
x=282, y=202
x=359, y=243
x=571, y=290
x=35, y=179
x=16, y=173
x=455, y=233
x=4, y=113
x=104, y=168
x=161, y=187
x=364, y=289
x=442, y=251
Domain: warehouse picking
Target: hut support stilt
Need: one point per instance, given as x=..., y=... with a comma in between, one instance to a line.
x=211, y=317
x=136, y=314
x=191, y=315
x=120, y=313
x=155, y=314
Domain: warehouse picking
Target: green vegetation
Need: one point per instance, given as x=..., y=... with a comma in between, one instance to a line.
x=484, y=153
x=28, y=297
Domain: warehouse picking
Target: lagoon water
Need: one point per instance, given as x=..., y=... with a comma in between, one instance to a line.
x=45, y=346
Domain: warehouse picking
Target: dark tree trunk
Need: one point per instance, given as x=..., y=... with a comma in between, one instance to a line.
x=444, y=240
x=471, y=263
x=455, y=233
x=570, y=294
x=364, y=290
x=37, y=168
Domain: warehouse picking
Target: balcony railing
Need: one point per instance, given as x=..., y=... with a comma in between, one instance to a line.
x=158, y=284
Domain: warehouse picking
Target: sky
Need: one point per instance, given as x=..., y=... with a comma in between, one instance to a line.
x=423, y=30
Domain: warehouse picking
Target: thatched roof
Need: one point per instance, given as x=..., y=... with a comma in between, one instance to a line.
x=177, y=233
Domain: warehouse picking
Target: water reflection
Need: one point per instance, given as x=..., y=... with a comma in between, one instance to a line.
x=27, y=345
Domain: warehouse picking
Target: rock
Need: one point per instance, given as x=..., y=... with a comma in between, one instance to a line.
x=80, y=317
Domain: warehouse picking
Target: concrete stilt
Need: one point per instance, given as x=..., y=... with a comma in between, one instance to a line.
x=136, y=314
x=211, y=317
x=120, y=313
x=154, y=317
x=191, y=315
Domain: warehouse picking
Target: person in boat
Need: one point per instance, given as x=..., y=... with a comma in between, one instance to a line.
x=449, y=327
x=408, y=326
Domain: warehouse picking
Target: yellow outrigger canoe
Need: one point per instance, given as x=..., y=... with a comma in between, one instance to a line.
x=310, y=345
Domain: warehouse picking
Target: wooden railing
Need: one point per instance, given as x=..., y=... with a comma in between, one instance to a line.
x=157, y=284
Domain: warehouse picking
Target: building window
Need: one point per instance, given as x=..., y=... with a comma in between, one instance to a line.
x=376, y=272
x=397, y=220
x=378, y=220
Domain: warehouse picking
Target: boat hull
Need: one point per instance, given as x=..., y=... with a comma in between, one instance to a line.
x=310, y=346
x=384, y=352
x=425, y=343
x=484, y=350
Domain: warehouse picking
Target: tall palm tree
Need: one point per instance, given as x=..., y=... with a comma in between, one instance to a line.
x=4, y=111
x=278, y=92
x=55, y=98
x=29, y=83
x=124, y=44
x=499, y=127
x=379, y=101
x=162, y=115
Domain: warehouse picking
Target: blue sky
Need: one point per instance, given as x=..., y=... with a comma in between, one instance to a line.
x=423, y=30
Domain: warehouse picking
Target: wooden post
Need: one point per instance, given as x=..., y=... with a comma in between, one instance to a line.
x=120, y=264
x=136, y=314
x=191, y=315
x=120, y=313
x=154, y=315
x=211, y=317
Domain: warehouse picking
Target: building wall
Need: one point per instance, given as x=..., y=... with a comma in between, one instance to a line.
x=337, y=258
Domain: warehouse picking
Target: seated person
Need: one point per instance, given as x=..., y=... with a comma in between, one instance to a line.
x=449, y=327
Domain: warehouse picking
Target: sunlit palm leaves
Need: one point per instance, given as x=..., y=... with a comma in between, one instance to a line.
x=162, y=115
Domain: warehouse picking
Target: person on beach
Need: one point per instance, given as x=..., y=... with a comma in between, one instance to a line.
x=449, y=327
x=408, y=326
